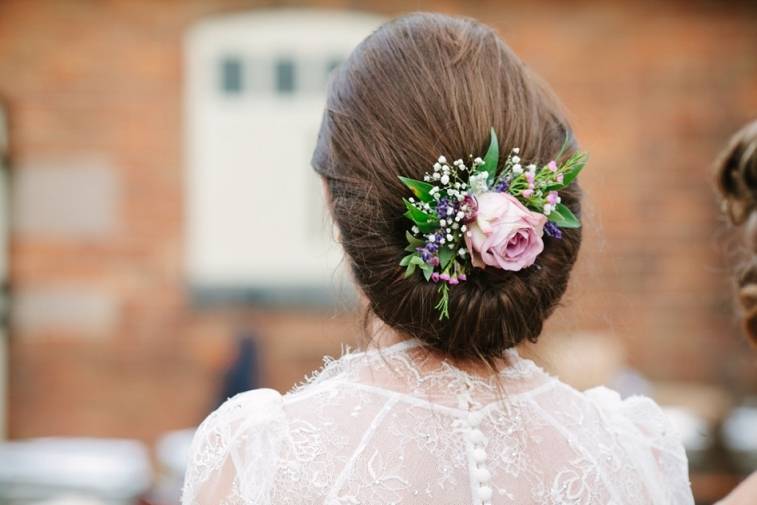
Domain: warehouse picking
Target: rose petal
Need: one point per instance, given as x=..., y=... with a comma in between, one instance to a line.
x=505, y=234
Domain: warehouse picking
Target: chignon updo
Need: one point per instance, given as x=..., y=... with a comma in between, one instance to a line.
x=421, y=86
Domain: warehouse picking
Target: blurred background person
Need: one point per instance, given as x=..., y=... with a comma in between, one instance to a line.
x=737, y=182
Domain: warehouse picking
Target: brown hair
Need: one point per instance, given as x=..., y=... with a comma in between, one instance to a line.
x=421, y=86
x=737, y=181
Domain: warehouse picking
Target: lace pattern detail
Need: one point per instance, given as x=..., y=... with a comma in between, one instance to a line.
x=389, y=427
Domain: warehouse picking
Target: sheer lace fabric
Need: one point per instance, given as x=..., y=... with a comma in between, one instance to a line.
x=381, y=427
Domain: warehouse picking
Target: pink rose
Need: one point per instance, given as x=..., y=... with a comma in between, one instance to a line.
x=505, y=233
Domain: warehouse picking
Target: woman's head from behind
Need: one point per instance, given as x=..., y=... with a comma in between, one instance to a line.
x=737, y=182
x=422, y=86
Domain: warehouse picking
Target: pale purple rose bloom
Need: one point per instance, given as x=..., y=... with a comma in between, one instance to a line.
x=505, y=233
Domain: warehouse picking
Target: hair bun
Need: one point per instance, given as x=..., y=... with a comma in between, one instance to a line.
x=422, y=85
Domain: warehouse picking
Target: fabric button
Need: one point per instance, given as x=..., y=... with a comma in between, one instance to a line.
x=485, y=493
x=474, y=419
x=482, y=474
x=479, y=455
x=476, y=436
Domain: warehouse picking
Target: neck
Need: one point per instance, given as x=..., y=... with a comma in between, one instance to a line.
x=383, y=336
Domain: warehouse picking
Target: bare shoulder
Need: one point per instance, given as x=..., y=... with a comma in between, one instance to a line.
x=744, y=494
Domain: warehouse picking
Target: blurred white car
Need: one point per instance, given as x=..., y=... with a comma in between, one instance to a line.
x=73, y=470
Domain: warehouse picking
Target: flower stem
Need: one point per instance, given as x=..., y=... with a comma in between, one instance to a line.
x=443, y=304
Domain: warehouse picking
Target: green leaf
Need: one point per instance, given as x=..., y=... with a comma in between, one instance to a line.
x=491, y=158
x=417, y=215
x=424, y=221
x=406, y=260
x=422, y=190
x=411, y=261
x=412, y=242
x=427, y=271
x=575, y=164
x=563, y=217
x=445, y=256
x=410, y=270
x=428, y=227
x=417, y=260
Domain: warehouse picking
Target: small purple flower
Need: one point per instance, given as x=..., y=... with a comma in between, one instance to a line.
x=432, y=247
x=443, y=207
x=453, y=281
x=462, y=277
x=552, y=166
x=425, y=253
x=552, y=230
x=528, y=193
x=501, y=186
x=560, y=178
x=435, y=277
x=444, y=277
x=434, y=261
x=553, y=198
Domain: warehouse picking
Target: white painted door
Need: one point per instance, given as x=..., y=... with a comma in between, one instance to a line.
x=255, y=90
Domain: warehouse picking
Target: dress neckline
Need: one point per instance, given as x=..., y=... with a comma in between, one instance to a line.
x=517, y=367
x=402, y=345
x=397, y=372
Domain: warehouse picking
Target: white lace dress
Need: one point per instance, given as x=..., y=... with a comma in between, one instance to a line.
x=380, y=428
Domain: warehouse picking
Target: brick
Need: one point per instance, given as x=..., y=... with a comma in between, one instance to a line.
x=104, y=339
x=67, y=198
x=65, y=309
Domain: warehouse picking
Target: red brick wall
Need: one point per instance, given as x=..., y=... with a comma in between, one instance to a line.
x=653, y=93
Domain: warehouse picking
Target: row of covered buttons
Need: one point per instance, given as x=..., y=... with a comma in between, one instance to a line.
x=481, y=472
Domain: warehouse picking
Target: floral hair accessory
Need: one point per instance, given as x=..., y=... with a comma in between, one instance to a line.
x=477, y=216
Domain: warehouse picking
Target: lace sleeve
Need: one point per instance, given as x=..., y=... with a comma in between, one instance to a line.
x=644, y=428
x=234, y=452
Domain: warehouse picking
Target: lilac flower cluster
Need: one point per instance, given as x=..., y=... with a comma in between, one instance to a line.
x=501, y=186
x=448, y=211
x=428, y=251
x=454, y=207
x=445, y=277
x=552, y=230
x=445, y=207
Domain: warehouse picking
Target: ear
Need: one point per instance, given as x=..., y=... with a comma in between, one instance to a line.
x=326, y=192
x=328, y=201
